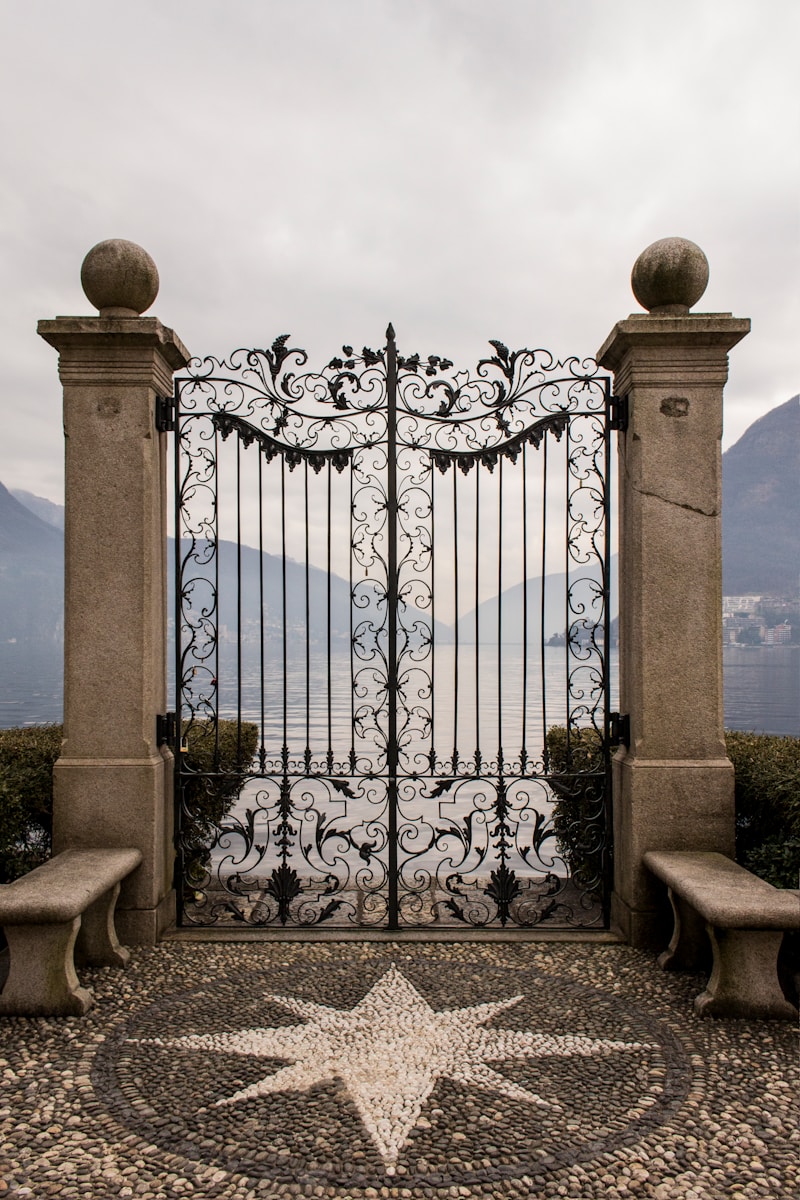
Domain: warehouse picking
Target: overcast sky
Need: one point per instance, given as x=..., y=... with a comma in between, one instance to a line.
x=467, y=169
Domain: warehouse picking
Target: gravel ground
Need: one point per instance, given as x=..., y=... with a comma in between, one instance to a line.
x=370, y=1069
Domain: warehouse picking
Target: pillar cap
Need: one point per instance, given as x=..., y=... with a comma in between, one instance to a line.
x=119, y=278
x=670, y=276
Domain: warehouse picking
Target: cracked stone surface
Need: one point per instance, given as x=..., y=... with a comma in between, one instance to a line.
x=397, y=1070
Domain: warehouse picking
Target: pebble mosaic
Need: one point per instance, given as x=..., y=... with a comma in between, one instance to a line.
x=370, y=1070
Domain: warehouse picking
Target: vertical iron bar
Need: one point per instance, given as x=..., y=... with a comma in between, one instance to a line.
x=477, y=619
x=328, y=615
x=432, y=568
x=391, y=615
x=178, y=601
x=308, y=629
x=608, y=879
x=284, y=614
x=457, y=624
x=261, y=603
x=607, y=569
x=238, y=599
x=542, y=600
x=216, y=684
x=352, y=630
x=524, y=749
x=567, y=563
x=500, y=613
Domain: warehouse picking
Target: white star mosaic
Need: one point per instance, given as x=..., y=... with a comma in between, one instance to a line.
x=389, y=1051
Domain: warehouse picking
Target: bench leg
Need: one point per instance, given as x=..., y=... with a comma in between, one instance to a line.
x=98, y=945
x=689, y=949
x=41, y=979
x=744, y=979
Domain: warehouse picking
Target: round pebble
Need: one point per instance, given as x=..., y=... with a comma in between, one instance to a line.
x=416, y=1070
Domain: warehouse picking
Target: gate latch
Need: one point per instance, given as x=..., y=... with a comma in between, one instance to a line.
x=619, y=730
x=165, y=729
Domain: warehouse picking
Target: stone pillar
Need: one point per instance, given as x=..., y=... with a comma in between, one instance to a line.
x=113, y=783
x=673, y=786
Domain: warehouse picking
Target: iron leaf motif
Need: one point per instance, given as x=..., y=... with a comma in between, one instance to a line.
x=283, y=885
x=503, y=888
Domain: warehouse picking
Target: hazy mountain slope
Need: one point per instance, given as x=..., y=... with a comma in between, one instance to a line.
x=52, y=513
x=760, y=528
x=761, y=505
x=556, y=617
x=22, y=532
x=252, y=583
x=31, y=574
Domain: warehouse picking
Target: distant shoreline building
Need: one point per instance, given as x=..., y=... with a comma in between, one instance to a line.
x=760, y=620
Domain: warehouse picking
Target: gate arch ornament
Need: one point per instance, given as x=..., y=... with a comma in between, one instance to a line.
x=369, y=558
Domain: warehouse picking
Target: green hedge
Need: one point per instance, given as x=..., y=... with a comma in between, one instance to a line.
x=767, y=805
x=219, y=754
x=767, y=802
x=767, y=795
x=576, y=774
x=26, y=797
x=26, y=787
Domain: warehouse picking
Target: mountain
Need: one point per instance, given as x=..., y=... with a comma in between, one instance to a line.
x=32, y=572
x=23, y=532
x=583, y=582
x=761, y=506
x=31, y=575
x=261, y=591
x=760, y=538
x=52, y=513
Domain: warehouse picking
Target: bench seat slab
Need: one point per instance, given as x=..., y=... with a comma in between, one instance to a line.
x=41, y=979
x=744, y=978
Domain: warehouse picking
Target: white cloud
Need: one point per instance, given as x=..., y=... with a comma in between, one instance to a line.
x=466, y=170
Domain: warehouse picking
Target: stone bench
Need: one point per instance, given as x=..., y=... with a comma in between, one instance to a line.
x=743, y=918
x=57, y=914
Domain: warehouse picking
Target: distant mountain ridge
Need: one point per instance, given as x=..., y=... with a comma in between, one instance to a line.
x=760, y=540
x=52, y=513
x=761, y=506
x=23, y=532
x=31, y=575
x=547, y=606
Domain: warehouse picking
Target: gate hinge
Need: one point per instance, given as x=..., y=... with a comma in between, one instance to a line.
x=618, y=413
x=165, y=729
x=165, y=414
x=619, y=730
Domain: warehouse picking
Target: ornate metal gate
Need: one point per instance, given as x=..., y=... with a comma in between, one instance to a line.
x=392, y=630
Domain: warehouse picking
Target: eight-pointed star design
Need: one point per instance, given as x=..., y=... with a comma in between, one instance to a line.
x=389, y=1051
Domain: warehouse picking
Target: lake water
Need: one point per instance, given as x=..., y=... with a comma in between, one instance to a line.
x=762, y=688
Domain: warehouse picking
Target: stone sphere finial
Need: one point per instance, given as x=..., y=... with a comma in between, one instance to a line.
x=670, y=276
x=119, y=278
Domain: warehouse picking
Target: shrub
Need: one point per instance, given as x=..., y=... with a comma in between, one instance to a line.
x=219, y=755
x=576, y=774
x=767, y=805
x=217, y=758
x=767, y=793
x=26, y=797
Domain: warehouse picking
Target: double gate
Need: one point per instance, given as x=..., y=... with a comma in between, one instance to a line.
x=392, y=626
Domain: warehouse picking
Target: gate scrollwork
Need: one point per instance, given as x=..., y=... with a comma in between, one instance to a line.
x=401, y=681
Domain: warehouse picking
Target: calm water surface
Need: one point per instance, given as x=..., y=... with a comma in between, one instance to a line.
x=762, y=688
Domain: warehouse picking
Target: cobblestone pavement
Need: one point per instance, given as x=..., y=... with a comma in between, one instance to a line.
x=372, y=1069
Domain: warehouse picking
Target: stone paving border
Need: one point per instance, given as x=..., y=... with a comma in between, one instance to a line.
x=658, y=1102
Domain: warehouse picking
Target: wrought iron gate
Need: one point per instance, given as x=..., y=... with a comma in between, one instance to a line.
x=392, y=630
